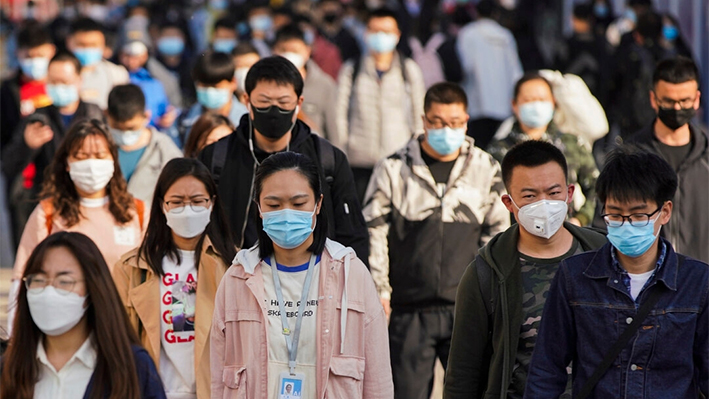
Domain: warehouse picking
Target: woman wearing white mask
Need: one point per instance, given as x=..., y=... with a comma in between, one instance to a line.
x=72, y=338
x=84, y=192
x=297, y=309
x=168, y=284
x=533, y=106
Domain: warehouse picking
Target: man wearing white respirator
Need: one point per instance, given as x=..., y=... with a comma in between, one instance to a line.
x=142, y=150
x=502, y=293
x=429, y=208
x=533, y=105
x=319, y=89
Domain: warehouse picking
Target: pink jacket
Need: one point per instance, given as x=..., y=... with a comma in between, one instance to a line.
x=353, y=356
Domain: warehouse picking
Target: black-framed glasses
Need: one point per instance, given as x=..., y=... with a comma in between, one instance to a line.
x=439, y=124
x=197, y=204
x=38, y=282
x=686, y=103
x=635, y=220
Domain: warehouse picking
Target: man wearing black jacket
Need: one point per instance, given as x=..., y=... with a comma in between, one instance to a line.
x=676, y=98
x=274, y=87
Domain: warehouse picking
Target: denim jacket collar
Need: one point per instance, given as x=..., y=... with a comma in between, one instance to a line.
x=602, y=266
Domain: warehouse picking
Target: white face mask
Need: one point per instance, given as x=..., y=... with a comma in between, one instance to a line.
x=542, y=218
x=54, y=313
x=91, y=175
x=295, y=58
x=187, y=223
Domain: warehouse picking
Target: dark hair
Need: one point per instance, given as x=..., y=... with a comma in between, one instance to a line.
x=65, y=56
x=445, y=93
x=649, y=25
x=86, y=25
x=307, y=168
x=106, y=318
x=226, y=23
x=486, y=8
x=274, y=69
x=289, y=32
x=33, y=34
x=243, y=48
x=676, y=70
x=527, y=77
x=631, y=174
x=59, y=187
x=583, y=11
x=531, y=153
x=382, y=13
x=200, y=131
x=158, y=241
x=125, y=102
x=213, y=67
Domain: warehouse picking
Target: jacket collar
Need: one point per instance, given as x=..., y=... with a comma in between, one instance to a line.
x=249, y=258
x=412, y=156
x=700, y=142
x=601, y=266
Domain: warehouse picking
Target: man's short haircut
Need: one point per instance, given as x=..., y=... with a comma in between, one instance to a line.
x=274, y=69
x=649, y=25
x=676, y=70
x=288, y=33
x=33, y=34
x=444, y=93
x=382, y=13
x=86, y=25
x=583, y=11
x=528, y=77
x=532, y=153
x=65, y=56
x=125, y=102
x=213, y=67
x=243, y=48
x=631, y=174
x=486, y=8
x=226, y=23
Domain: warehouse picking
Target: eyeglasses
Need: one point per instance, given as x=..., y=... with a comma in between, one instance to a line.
x=197, y=205
x=439, y=124
x=63, y=284
x=635, y=220
x=684, y=104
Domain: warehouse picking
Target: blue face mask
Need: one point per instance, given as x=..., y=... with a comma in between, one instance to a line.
x=62, y=95
x=288, y=228
x=309, y=37
x=35, y=68
x=630, y=14
x=670, y=32
x=381, y=42
x=89, y=56
x=445, y=141
x=171, y=45
x=126, y=138
x=600, y=10
x=261, y=23
x=224, y=45
x=212, y=97
x=536, y=114
x=631, y=240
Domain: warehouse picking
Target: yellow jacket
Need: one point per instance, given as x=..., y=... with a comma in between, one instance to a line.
x=139, y=289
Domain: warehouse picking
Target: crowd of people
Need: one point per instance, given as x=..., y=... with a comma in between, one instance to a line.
x=296, y=199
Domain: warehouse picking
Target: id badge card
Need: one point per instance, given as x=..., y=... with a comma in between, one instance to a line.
x=291, y=386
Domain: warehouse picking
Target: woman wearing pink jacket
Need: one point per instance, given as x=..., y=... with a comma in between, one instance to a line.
x=297, y=316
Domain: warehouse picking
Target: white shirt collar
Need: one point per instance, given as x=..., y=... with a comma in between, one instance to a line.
x=86, y=354
x=93, y=202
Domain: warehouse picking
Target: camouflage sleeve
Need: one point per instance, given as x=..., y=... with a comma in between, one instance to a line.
x=377, y=209
x=586, y=175
x=498, y=149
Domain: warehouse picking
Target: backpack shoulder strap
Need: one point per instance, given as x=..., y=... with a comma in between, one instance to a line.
x=140, y=210
x=327, y=158
x=219, y=158
x=48, y=209
x=485, y=283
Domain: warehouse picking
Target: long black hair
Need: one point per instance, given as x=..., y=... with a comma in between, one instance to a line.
x=305, y=166
x=158, y=240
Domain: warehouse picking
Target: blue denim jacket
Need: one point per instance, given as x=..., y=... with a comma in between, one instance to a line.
x=589, y=307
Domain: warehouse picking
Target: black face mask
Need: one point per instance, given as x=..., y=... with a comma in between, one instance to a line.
x=330, y=17
x=674, y=118
x=273, y=122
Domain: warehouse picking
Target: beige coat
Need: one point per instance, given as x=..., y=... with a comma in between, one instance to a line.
x=352, y=340
x=142, y=303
